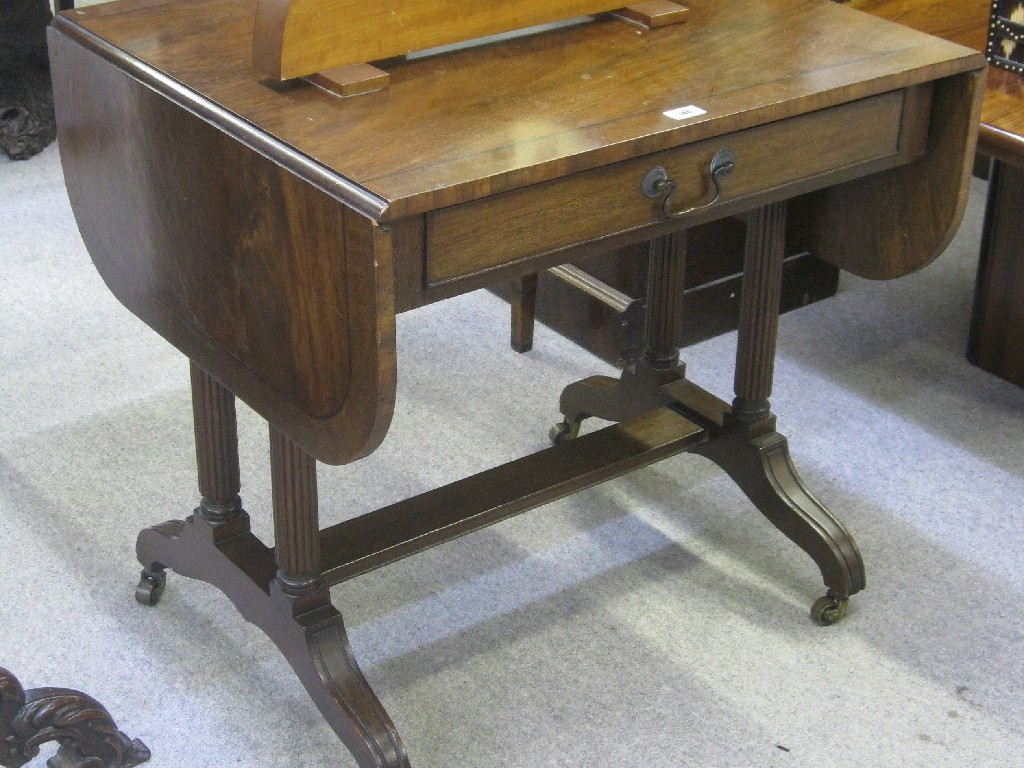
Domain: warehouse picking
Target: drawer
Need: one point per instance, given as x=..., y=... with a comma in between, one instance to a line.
x=795, y=155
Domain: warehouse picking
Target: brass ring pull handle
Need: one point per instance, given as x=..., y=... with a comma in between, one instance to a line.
x=657, y=183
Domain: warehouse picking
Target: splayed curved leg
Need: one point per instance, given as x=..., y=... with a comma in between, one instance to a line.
x=752, y=452
x=763, y=469
x=636, y=392
x=307, y=629
x=320, y=652
x=329, y=671
x=277, y=590
x=741, y=437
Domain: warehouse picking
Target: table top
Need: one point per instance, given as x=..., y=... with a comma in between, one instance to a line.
x=966, y=22
x=216, y=205
x=962, y=21
x=461, y=126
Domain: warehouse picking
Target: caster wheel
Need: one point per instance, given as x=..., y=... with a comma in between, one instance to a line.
x=151, y=586
x=563, y=432
x=829, y=609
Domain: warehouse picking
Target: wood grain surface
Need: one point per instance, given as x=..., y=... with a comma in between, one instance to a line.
x=896, y=222
x=962, y=21
x=796, y=155
x=267, y=231
x=272, y=232
x=966, y=22
x=293, y=38
x=465, y=125
x=272, y=286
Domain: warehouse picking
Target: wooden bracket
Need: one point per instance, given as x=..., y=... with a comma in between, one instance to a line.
x=353, y=80
x=653, y=14
x=297, y=38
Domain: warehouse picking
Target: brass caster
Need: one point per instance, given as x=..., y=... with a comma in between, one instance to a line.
x=564, y=431
x=829, y=609
x=151, y=586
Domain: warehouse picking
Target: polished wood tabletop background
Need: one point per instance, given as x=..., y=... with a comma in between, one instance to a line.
x=966, y=22
x=996, y=339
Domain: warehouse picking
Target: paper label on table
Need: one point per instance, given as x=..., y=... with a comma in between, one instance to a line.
x=683, y=113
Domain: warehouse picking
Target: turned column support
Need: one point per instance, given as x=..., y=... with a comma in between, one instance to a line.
x=220, y=515
x=216, y=429
x=666, y=273
x=639, y=388
x=296, y=516
x=759, y=312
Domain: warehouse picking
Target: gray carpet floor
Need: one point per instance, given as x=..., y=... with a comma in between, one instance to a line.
x=656, y=620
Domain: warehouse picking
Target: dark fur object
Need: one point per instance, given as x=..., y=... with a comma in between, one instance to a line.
x=26, y=99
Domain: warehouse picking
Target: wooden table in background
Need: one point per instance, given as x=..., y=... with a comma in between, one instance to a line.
x=272, y=232
x=996, y=340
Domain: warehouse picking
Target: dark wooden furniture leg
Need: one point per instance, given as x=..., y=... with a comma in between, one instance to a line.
x=523, y=300
x=595, y=314
x=996, y=342
x=278, y=590
x=219, y=516
x=741, y=438
x=312, y=631
x=752, y=452
x=638, y=389
x=85, y=731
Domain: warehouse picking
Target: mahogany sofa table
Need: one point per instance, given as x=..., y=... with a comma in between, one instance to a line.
x=272, y=232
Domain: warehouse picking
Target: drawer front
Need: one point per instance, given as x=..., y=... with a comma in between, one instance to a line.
x=806, y=152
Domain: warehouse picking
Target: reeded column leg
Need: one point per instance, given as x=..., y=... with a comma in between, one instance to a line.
x=314, y=639
x=759, y=312
x=665, y=278
x=278, y=590
x=296, y=516
x=638, y=389
x=216, y=429
x=752, y=452
x=220, y=514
